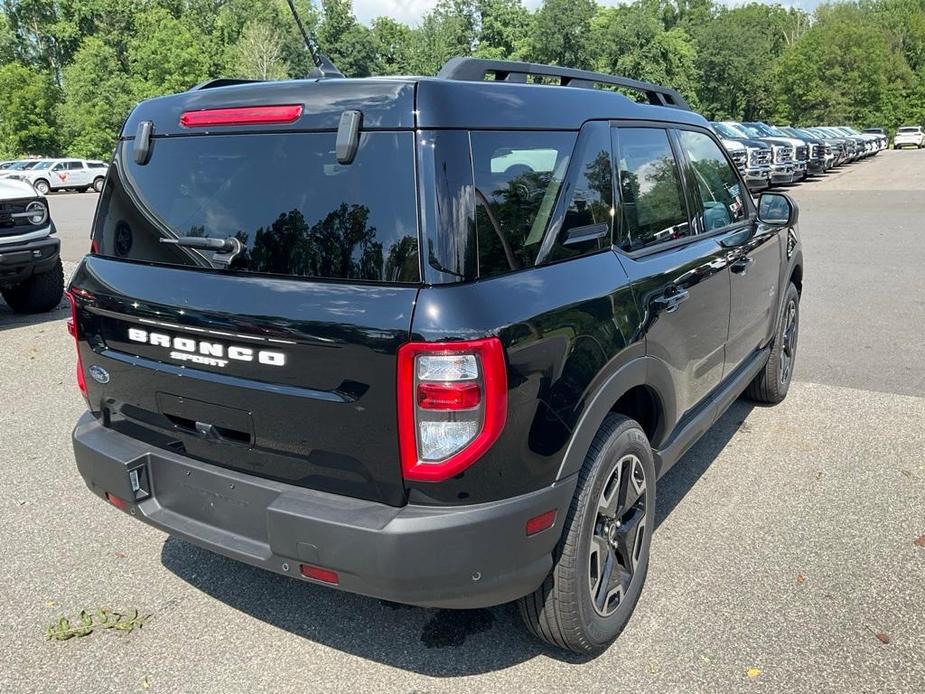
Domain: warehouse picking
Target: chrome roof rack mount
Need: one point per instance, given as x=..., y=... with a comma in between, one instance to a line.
x=478, y=69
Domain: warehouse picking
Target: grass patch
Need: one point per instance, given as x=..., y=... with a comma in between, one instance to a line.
x=86, y=622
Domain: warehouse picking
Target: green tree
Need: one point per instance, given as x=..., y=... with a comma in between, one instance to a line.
x=393, y=44
x=448, y=30
x=349, y=44
x=98, y=96
x=258, y=53
x=560, y=33
x=167, y=54
x=735, y=53
x=843, y=70
x=27, y=123
x=633, y=42
x=503, y=29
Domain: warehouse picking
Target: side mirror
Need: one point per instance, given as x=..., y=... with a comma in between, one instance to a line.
x=777, y=209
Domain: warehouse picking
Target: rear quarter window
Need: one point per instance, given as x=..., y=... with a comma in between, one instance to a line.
x=517, y=180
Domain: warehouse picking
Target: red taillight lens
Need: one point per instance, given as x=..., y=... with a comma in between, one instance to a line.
x=72, y=329
x=319, y=574
x=94, y=246
x=245, y=115
x=448, y=396
x=452, y=405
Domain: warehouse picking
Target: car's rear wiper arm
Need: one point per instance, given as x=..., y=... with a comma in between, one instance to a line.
x=225, y=249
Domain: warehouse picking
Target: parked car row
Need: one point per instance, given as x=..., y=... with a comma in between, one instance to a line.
x=46, y=175
x=775, y=155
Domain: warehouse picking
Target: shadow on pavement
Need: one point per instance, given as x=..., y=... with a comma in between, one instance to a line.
x=9, y=320
x=438, y=643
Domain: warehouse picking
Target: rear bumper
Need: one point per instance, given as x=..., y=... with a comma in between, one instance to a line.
x=20, y=260
x=451, y=557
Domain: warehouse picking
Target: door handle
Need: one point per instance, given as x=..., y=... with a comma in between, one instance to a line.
x=671, y=302
x=740, y=266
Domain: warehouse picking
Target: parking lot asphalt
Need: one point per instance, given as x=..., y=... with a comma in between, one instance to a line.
x=784, y=557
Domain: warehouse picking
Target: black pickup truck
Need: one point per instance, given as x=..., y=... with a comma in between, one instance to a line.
x=432, y=340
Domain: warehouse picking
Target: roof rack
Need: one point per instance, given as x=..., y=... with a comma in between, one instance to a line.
x=477, y=69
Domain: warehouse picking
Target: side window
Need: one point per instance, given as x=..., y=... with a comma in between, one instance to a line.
x=650, y=190
x=587, y=225
x=716, y=182
x=517, y=180
x=74, y=165
x=58, y=167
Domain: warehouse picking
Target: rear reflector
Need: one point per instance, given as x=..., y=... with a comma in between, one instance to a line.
x=120, y=504
x=245, y=115
x=73, y=331
x=542, y=522
x=319, y=574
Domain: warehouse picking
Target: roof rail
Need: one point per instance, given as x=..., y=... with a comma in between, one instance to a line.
x=221, y=82
x=477, y=69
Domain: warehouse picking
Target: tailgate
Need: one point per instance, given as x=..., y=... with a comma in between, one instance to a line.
x=286, y=379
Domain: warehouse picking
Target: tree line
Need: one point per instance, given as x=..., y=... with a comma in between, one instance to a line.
x=70, y=70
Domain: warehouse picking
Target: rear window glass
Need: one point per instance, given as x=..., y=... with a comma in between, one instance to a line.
x=517, y=181
x=909, y=130
x=294, y=209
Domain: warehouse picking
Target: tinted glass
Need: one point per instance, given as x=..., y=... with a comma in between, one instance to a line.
x=716, y=182
x=587, y=225
x=650, y=190
x=74, y=165
x=295, y=210
x=517, y=180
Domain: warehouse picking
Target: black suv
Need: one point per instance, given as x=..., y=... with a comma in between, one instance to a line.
x=431, y=340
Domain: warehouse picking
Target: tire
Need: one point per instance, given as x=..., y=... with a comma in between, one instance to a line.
x=562, y=611
x=98, y=184
x=772, y=383
x=38, y=294
x=41, y=187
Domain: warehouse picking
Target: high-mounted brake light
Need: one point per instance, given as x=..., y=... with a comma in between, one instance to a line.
x=73, y=330
x=244, y=115
x=452, y=405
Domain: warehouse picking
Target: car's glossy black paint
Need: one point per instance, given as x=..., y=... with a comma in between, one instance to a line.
x=572, y=331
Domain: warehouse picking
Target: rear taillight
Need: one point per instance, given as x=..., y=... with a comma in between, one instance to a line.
x=72, y=328
x=245, y=115
x=452, y=405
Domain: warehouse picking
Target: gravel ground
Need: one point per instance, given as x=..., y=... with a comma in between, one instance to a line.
x=784, y=558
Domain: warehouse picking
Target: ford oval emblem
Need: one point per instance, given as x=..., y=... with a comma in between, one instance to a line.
x=100, y=375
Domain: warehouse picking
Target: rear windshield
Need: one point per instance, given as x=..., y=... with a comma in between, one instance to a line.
x=294, y=209
x=909, y=130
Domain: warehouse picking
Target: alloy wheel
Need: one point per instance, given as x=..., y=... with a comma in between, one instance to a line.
x=618, y=534
x=788, y=342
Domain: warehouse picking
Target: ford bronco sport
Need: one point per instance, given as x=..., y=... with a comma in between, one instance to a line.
x=432, y=340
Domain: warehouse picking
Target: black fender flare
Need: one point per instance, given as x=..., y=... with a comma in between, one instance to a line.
x=640, y=371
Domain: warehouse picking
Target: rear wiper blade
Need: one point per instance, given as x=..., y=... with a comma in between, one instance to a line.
x=221, y=245
x=225, y=249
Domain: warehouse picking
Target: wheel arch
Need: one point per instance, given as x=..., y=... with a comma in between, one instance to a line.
x=640, y=389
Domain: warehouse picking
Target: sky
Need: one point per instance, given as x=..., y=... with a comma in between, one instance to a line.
x=411, y=11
